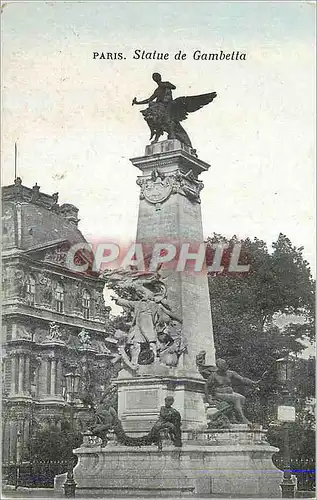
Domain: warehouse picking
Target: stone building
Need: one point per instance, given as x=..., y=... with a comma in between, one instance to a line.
x=54, y=319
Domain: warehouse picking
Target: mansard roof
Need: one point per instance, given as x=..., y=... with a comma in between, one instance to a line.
x=33, y=219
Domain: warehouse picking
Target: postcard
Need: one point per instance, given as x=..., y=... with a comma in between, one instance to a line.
x=158, y=249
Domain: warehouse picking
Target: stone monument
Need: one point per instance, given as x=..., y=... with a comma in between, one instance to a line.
x=170, y=213
x=170, y=327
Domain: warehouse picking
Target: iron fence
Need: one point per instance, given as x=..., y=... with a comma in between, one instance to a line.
x=303, y=469
x=36, y=474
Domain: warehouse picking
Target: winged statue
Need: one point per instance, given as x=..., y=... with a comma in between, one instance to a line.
x=164, y=113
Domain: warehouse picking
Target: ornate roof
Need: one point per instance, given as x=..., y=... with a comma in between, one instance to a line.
x=32, y=218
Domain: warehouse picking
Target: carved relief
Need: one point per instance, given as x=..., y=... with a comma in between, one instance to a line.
x=84, y=339
x=55, y=333
x=19, y=282
x=23, y=333
x=159, y=187
x=57, y=255
x=46, y=288
x=187, y=185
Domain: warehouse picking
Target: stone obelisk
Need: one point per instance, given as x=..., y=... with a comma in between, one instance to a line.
x=170, y=213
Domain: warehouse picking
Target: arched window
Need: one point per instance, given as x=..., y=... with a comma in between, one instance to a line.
x=86, y=301
x=30, y=290
x=59, y=298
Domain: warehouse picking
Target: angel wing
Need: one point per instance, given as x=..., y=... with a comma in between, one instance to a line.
x=181, y=106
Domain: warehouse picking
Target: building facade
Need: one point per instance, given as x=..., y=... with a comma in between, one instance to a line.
x=54, y=320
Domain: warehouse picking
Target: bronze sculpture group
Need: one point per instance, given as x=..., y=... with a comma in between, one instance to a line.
x=164, y=113
x=105, y=419
x=154, y=333
x=218, y=390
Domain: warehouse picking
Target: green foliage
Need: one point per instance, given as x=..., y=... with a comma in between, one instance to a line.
x=55, y=444
x=97, y=378
x=245, y=307
x=277, y=282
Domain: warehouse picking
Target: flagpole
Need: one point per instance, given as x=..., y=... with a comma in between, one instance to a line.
x=15, y=160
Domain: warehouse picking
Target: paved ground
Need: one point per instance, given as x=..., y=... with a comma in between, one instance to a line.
x=38, y=493
x=43, y=493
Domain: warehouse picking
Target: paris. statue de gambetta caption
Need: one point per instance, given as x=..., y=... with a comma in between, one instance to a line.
x=178, y=55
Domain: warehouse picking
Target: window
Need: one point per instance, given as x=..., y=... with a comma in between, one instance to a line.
x=86, y=304
x=7, y=375
x=30, y=290
x=59, y=298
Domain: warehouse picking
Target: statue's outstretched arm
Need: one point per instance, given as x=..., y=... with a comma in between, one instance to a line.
x=124, y=302
x=145, y=101
x=243, y=380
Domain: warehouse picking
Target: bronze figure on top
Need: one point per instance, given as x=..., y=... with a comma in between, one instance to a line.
x=164, y=113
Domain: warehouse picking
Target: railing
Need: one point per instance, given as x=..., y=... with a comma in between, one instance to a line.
x=303, y=469
x=37, y=474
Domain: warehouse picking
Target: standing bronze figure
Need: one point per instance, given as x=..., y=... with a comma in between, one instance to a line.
x=164, y=113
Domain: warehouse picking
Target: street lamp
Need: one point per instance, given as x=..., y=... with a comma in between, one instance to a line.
x=72, y=388
x=286, y=414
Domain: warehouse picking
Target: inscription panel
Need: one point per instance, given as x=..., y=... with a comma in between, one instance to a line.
x=142, y=399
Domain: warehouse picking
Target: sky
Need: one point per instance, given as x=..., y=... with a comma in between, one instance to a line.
x=75, y=127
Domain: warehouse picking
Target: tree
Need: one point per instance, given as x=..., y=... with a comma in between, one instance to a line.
x=53, y=444
x=245, y=307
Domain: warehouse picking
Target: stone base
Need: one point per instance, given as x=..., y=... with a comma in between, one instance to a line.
x=230, y=463
x=168, y=145
x=140, y=399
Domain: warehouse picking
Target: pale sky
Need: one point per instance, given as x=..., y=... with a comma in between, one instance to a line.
x=76, y=129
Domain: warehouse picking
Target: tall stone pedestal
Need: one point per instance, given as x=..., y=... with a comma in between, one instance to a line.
x=170, y=213
x=230, y=463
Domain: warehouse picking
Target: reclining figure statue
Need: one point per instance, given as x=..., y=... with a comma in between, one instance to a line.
x=169, y=422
